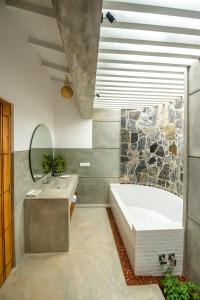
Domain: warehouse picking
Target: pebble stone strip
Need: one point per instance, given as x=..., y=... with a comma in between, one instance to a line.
x=127, y=269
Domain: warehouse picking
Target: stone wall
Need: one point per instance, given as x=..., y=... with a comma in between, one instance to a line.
x=152, y=146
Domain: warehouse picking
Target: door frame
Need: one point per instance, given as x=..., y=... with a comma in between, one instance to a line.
x=11, y=178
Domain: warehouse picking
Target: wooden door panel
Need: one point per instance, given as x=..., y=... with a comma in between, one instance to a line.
x=1, y=160
x=1, y=215
x=7, y=210
x=6, y=109
x=8, y=246
x=1, y=256
x=1, y=118
x=6, y=173
x=1, y=279
x=5, y=192
x=6, y=135
x=8, y=270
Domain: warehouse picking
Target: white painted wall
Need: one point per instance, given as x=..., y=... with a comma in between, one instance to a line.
x=27, y=85
x=23, y=81
x=71, y=130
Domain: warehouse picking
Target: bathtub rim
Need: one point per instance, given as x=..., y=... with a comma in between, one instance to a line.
x=123, y=207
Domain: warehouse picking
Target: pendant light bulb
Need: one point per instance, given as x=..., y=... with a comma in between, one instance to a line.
x=66, y=91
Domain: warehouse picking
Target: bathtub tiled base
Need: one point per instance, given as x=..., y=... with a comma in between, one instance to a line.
x=127, y=269
x=150, y=244
x=144, y=246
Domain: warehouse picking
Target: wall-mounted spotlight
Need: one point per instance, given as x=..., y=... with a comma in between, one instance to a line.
x=97, y=95
x=109, y=17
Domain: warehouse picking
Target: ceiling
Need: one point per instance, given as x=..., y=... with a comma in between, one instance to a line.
x=67, y=43
x=37, y=18
x=143, y=56
x=79, y=23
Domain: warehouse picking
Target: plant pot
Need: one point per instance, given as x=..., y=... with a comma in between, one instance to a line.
x=58, y=174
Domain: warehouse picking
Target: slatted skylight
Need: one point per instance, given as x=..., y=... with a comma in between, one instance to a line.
x=142, y=57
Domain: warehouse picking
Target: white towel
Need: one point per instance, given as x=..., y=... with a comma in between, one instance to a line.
x=64, y=176
x=33, y=193
x=73, y=199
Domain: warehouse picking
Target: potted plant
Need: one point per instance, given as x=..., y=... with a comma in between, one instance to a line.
x=46, y=162
x=177, y=289
x=58, y=165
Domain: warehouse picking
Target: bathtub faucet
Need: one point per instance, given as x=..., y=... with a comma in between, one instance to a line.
x=162, y=259
x=172, y=259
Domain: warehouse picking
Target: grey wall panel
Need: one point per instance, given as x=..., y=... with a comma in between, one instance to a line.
x=194, y=124
x=106, y=134
x=94, y=190
x=23, y=183
x=194, y=189
x=192, y=245
x=194, y=77
x=104, y=162
x=100, y=114
x=193, y=251
x=22, y=176
x=19, y=233
x=73, y=157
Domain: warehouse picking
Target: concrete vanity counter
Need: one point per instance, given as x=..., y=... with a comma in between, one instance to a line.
x=57, y=187
x=47, y=216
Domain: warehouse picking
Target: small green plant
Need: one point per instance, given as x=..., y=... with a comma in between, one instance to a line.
x=58, y=165
x=175, y=289
x=46, y=162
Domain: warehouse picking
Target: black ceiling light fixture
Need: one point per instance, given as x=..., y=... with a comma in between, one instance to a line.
x=109, y=17
x=97, y=95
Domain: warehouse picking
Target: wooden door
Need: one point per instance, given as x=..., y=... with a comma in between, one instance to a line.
x=6, y=257
x=1, y=203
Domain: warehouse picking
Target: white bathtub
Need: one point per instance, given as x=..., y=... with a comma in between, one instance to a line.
x=150, y=223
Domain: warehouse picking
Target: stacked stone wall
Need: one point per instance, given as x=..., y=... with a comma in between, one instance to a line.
x=152, y=146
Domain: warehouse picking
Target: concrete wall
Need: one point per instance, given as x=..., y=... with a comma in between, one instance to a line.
x=25, y=84
x=23, y=183
x=192, y=263
x=94, y=181
x=71, y=130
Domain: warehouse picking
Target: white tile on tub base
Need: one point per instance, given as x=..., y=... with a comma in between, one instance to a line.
x=144, y=246
x=150, y=245
x=127, y=235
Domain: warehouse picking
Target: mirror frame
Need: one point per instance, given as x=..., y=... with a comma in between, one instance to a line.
x=30, y=167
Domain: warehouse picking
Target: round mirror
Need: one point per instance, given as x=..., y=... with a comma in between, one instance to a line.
x=41, y=152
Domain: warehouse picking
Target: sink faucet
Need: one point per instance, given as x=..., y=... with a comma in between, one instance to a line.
x=46, y=179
